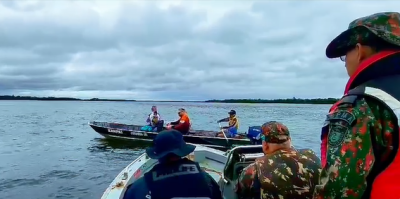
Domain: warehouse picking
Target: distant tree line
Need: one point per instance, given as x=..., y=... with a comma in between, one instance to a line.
x=12, y=97
x=283, y=101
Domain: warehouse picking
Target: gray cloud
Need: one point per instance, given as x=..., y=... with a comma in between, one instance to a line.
x=192, y=50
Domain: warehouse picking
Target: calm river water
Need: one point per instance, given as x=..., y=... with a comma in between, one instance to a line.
x=47, y=150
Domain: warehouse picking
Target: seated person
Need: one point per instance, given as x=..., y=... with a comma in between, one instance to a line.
x=183, y=124
x=284, y=172
x=231, y=130
x=153, y=121
x=174, y=176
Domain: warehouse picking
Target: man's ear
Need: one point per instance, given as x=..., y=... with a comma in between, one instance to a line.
x=358, y=49
x=264, y=146
x=363, y=52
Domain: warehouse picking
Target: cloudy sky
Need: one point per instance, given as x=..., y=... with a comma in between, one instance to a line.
x=169, y=50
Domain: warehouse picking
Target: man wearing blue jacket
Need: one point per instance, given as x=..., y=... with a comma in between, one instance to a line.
x=174, y=176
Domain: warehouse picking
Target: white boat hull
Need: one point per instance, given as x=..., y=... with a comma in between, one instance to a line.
x=211, y=160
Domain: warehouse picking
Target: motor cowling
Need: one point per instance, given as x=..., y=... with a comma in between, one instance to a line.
x=254, y=134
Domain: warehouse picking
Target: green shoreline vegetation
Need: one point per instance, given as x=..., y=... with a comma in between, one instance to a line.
x=12, y=97
x=247, y=101
x=279, y=101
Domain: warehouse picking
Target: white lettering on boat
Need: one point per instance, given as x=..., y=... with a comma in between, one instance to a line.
x=184, y=169
x=139, y=133
x=115, y=131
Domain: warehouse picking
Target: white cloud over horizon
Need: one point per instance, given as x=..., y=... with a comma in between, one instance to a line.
x=164, y=50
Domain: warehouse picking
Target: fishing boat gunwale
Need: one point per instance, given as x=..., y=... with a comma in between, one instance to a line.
x=209, y=141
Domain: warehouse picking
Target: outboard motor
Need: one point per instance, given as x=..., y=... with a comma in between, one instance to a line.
x=254, y=134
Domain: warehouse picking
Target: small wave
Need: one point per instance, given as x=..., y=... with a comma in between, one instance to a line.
x=11, y=183
x=60, y=174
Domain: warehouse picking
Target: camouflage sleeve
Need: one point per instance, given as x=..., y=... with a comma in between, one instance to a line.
x=244, y=186
x=383, y=128
x=349, y=156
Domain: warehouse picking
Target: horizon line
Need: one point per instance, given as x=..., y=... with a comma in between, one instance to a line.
x=151, y=100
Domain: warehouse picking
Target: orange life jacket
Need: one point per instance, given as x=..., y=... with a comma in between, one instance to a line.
x=382, y=181
x=184, y=124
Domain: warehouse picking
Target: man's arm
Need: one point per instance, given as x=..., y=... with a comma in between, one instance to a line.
x=223, y=120
x=159, y=117
x=176, y=122
x=350, y=155
x=384, y=129
x=148, y=120
x=245, y=184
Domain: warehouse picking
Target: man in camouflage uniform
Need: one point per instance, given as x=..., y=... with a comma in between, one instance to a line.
x=357, y=137
x=283, y=172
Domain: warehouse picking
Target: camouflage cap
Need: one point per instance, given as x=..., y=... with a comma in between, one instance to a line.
x=385, y=25
x=274, y=132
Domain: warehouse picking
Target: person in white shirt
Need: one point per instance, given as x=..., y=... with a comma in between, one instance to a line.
x=153, y=121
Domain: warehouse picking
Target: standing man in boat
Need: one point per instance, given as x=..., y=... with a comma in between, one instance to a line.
x=183, y=124
x=360, y=137
x=233, y=125
x=174, y=176
x=283, y=172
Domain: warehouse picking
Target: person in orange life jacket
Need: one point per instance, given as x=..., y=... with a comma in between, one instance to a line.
x=360, y=138
x=183, y=124
x=174, y=176
x=233, y=125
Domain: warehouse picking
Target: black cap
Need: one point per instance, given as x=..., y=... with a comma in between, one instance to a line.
x=169, y=142
x=232, y=112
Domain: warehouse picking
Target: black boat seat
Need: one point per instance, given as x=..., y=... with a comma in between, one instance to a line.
x=241, y=157
x=241, y=163
x=238, y=168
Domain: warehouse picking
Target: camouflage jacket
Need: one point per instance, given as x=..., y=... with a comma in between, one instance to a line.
x=350, y=156
x=284, y=174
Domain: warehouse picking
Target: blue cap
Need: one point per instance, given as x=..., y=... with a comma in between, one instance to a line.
x=169, y=142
